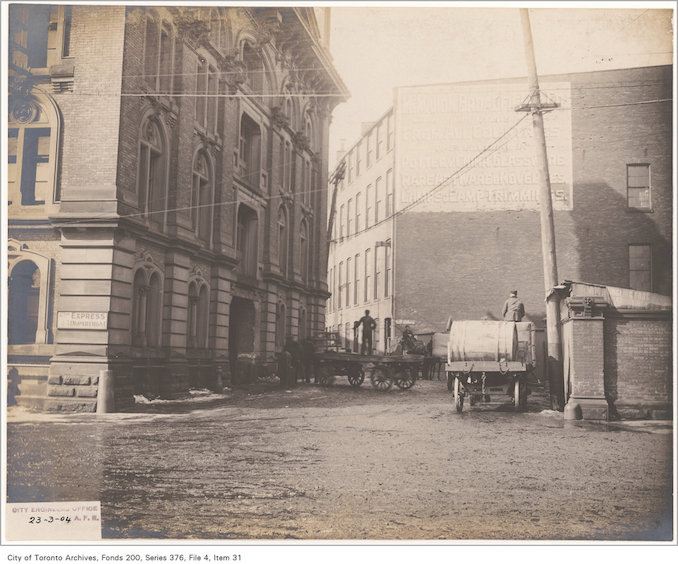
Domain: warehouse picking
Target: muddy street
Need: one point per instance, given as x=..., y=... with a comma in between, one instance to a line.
x=345, y=463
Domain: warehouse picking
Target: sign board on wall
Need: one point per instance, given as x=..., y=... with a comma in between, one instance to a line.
x=82, y=320
x=443, y=128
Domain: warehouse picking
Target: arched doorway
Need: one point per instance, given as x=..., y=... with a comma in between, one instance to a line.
x=24, y=303
x=241, y=330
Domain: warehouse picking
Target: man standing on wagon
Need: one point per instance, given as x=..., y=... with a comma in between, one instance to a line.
x=369, y=325
x=514, y=310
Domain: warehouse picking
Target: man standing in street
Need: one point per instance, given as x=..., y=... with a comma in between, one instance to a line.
x=369, y=325
x=514, y=310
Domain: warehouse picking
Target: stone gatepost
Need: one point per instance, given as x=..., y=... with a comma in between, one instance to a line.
x=584, y=360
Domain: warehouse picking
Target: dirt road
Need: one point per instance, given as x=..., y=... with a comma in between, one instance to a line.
x=343, y=463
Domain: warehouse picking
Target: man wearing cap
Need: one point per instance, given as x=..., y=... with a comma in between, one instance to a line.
x=514, y=310
x=369, y=325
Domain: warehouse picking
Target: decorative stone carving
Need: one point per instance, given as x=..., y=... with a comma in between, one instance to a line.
x=278, y=117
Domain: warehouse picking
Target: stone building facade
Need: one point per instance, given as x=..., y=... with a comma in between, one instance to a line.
x=167, y=187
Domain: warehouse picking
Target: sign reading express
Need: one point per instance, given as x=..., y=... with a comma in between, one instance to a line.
x=82, y=320
x=443, y=128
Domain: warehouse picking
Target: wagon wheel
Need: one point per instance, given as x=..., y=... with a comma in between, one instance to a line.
x=380, y=378
x=325, y=376
x=519, y=395
x=458, y=395
x=356, y=376
x=405, y=378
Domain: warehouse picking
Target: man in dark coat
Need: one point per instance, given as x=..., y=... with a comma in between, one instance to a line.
x=514, y=310
x=369, y=325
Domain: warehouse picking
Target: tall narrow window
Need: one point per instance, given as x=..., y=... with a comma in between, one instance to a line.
x=283, y=240
x=387, y=270
x=340, y=287
x=201, y=93
x=640, y=267
x=358, y=209
x=351, y=159
x=341, y=221
x=638, y=191
x=193, y=315
x=368, y=268
x=389, y=132
x=202, y=198
x=379, y=130
x=348, y=282
x=378, y=200
x=247, y=241
x=139, y=309
x=303, y=248
x=24, y=299
x=280, y=325
x=377, y=273
x=151, y=185
x=154, y=311
x=330, y=283
x=389, y=193
x=349, y=217
x=203, y=317
x=358, y=158
x=250, y=151
x=368, y=206
x=356, y=279
x=66, y=36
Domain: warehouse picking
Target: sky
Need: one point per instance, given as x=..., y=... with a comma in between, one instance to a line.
x=376, y=49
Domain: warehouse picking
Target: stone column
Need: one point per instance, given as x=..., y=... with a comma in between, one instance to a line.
x=585, y=380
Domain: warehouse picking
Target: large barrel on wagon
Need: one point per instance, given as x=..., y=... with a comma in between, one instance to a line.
x=482, y=340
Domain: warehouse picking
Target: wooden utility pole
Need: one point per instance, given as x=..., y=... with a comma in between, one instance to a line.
x=337, y=177
x=548, y=239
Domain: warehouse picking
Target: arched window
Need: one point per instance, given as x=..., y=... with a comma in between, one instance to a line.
x=203, y=317
x=303, y=249
x=151, y=181
x=192, y=321
x=256, y=72
x=202, y=198
x=146, y=309
x=24, y=303
x=283, y=240
x=154, y=312
x=303, y=331
x=280, y=325
x=139, y=308
x=246, y=240
x=32, y=147
x=250, y=151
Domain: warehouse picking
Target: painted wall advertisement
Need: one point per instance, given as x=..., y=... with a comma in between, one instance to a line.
x=442, y=129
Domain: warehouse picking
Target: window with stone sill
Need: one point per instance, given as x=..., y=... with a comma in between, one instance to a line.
x=40, y=35
x=638, y=190
x=202, y=198
x=250, y=151
x=152, y=174
x=640, y=267
x=146, y=309
x=158, y=56
x=32, y=150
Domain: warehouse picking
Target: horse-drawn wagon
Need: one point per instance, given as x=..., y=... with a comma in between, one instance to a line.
x=483, y=356
x=330, y=361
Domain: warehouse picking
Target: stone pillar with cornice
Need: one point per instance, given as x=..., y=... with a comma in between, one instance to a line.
x=583, y=355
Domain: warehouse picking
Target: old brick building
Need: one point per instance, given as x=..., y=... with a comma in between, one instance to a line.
x=444, y=221
x=167, y=201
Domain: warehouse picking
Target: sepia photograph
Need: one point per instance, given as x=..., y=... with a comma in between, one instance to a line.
x=336, y=275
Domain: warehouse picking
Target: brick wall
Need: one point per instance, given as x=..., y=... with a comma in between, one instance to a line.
x=464, y=264
x=638, y=361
